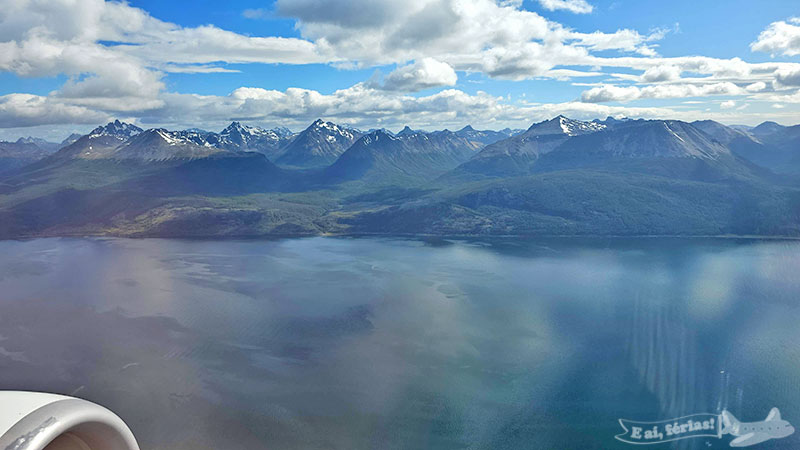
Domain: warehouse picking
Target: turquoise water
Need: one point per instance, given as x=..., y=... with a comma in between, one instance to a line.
x=395, y=343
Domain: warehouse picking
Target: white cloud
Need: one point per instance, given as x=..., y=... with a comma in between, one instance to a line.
x=728, y=104
x=788, y=76
x=780, y=37
x=575, y=6
x=790, y=96
x=423, y=74
x=365, y=106
x=207, y=44
x=45, y=38
x=360, y=105
x=612, y=93
x=24, y=110
x=661, y=73
x=624, y=40
x=497, y=38
x=500, y=39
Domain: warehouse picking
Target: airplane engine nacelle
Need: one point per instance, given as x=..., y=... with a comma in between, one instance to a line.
x=38, y=421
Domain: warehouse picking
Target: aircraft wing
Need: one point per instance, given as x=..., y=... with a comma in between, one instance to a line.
x=749, y=439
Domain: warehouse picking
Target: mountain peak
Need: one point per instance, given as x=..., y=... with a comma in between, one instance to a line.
x=282, y=131
x=768, y=126
x=376, y=136
x=331, y=129
x=234, y=127
x=406, y=131
x=29, y=140
x=318, y=145
x=116, y=129
x=561, y=125
x=70, y=139
x=467, y=128
x=382, y=132
x=320, y=125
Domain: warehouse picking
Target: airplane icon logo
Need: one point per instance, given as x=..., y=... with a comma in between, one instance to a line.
x=752, y=433
x=706, y=426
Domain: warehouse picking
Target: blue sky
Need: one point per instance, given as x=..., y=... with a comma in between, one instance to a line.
x=67, y=65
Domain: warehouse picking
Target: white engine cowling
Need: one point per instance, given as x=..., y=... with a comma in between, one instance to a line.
x=38, y=421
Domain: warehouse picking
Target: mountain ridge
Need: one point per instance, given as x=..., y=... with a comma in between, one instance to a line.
x=558, y=177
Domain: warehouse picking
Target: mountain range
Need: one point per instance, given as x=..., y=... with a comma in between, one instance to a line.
x=559, y=177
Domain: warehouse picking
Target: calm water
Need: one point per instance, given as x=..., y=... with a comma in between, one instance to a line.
x=383, y=344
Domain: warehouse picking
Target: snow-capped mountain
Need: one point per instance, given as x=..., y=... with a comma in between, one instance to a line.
x=561, y=125
x=120, y=140
x=611, y=122
x=101, y=142
x=158, y=144
x=243, y=138
x=318, y=145
x=116, y=129
x=667, y=146
x=515, y=154
x=656, y=147
x=647, y=139
x=322, y=143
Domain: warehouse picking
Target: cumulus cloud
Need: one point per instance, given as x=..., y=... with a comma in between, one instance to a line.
x=501, y=39
x=360, y=105
x=758, y=86
x=365, y=106
x=612, y=93
x=575, y=6
x=788, y=76
x=25, y=110
x=423, y=74
x=624, y=40
x=498, y=38
x=782, y=37
x=661, y=73
x=728, y=104
x=116, y=57
x=45, y=38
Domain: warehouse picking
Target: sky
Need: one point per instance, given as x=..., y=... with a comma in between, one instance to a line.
x=70, y=65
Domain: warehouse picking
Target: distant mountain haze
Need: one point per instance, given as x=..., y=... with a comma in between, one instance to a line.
x=380, y=156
